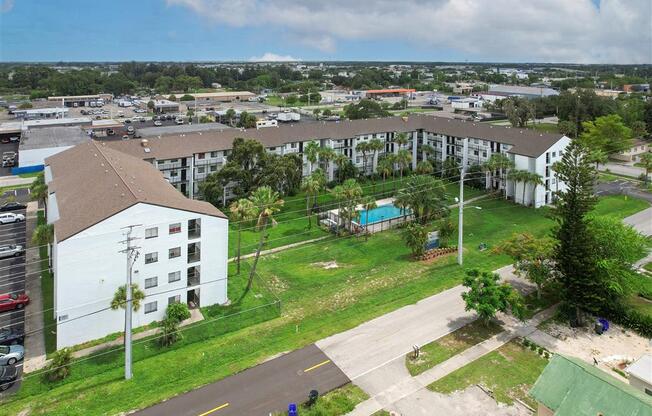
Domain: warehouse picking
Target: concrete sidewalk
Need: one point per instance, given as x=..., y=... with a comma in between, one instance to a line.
x=15, y=181
x=405, y=387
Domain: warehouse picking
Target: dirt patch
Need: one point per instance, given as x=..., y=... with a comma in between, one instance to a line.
x=326, y=265
x=276, y=284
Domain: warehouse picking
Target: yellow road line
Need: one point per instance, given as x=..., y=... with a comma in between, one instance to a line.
x=215, y=409
x=313, y=367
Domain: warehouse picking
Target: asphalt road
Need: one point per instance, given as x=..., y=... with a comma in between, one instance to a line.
x=622, y=187
x=261, y=390
x=12, y=280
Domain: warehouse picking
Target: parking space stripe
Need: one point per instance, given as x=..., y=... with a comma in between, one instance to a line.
x=215, y=409
x=316, y=366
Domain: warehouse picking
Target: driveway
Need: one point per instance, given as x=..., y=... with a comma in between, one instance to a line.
x=622, y=169
x=261, y=390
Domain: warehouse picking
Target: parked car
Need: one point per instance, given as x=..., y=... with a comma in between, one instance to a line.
x=14, y=139
x=5, y=140
x=12, y=206
x=137, y=135
x=11, y=336
x=10, y=218
x=110, y=132
x=179, y=120
x=8, y=163
x=11, y=301
x=8, y=376
x=11, y=354
x=11, y=250
x=158, y=123
x=131, y=130
x=125, y=137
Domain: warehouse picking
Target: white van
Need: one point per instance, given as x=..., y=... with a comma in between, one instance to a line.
x=179, y=120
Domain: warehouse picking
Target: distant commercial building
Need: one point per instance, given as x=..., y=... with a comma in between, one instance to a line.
x=18, y=127
x=221, y=97
x=522, y=91
x=41, y=113
x=94, y=193
x=82, y=100
x=390, y=92
x=571, y=387
x=165, y=106
x=38, y=144
x=466, y=103
x=641, y=88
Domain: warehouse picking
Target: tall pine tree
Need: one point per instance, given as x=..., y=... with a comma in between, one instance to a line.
x=574, y=253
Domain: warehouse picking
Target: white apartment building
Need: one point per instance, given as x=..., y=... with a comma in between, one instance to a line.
x=187, y=159
x=94, y=193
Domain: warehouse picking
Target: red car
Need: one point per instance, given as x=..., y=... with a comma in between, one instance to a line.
x=9, y=302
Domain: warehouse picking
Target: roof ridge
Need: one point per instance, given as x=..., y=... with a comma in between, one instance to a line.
x=99, y=148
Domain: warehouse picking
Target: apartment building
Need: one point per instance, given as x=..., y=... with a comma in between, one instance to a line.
x=95, y=193
x=187, y=159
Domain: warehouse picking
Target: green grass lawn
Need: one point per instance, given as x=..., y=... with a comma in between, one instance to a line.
x=29, y=175
x=449, y=345
x=509, y=372
x=544, y=127
x=372, y=278
x=47, y=294
x=336, y=403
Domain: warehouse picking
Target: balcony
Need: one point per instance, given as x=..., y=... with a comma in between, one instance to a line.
x=194, y=276
x=194, y=229
x=194, y=252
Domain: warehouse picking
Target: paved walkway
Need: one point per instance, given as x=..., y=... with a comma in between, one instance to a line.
x=622, y=169
x=281, y=248
x=641, y=221
x=404, y=387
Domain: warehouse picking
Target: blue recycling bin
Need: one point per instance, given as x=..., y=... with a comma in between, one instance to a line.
x=292, y=409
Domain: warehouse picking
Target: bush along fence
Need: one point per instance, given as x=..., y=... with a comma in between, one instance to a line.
x=437, y=252
x=632, y=319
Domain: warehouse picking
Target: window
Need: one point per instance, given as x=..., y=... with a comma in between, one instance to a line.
x=201, y=155
x=648, y=392
x=175, y=228
x=174, y=252
x=174, y=173
x=554, y=154
x=213, y=154
x=174, y=276
x=151, y=258
x=174, y=160
x=151, y=232
x=201, y=169
x=213, y=168
x=174, y=299
x=151, y=282
x=151, y=307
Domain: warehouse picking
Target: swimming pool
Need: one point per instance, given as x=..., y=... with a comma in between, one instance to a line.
x=381, y=213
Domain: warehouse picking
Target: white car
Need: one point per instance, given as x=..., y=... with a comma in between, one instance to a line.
x=10, y=218
x=158, y=123
x=11, y=250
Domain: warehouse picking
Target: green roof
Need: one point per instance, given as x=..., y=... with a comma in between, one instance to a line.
x=571, y=387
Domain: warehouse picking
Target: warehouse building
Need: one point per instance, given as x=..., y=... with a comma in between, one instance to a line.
x=36, y=145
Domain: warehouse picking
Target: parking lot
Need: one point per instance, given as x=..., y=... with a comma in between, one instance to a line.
x=12, y=279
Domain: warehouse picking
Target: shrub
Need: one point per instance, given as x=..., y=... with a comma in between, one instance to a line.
x=630, y=318
x=177, y=312
x=187, y=97
x=170, y=331
x=59, y=367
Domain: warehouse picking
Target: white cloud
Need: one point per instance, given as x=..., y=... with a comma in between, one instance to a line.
x=618, y=31
x=272, y=57
x=6, y=6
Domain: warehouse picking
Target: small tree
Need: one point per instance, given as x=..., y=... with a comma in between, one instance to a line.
x=187, y=97
x=43, y=234
x=59, y=367
x=120, y=297
x=532, y=258
x=368, y=203
x=646, y=161
x=177, y=312
x=174, y=315
x=150, y=105
x=415, y=236
x=241, y=210
x=446, y=230
x=172, y=97
x=38, y=190
x=424, y=168
x=487, y=296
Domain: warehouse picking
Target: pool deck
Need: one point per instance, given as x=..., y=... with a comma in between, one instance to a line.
x=376, y=226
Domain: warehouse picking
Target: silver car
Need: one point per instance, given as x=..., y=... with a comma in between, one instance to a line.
x=11, y=250
x=11, y=354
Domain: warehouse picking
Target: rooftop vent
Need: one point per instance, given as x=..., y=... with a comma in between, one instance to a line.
x=147, y=150
x=145, y=142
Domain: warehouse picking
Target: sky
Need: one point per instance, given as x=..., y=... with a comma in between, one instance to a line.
x=569, y=31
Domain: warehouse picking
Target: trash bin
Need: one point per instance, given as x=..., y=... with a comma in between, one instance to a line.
x=292, y=409
x=599, y=329
x=312, y=397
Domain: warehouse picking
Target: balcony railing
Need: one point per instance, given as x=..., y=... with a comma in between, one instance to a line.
x=193, y=277
x=194, y=256
x=194, y=232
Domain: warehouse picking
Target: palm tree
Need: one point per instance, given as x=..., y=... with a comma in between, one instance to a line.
x=386, y=168
x=351, y=195
x=535, y=180
x=522, y=176
x=241, y=210
x=311, y=150
x=363, y=147
x=120, y=297
x=311, y=185
x=327, y=155
x=337, y=194
x=266, y=203
x=503, y=164
x=424, y=168
x=403, y=158
x=401, y=139
x=368, y=203
x=43, y=234
x=555, y=168
x=646, y=161
x=375, y=145
x=38, y=190
x=340, y=160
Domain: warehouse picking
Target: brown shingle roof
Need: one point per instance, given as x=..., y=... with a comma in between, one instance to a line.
x=525, y=142
x=93, y=182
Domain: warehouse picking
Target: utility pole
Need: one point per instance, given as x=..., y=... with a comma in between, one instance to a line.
x=132, y=255
x=460, y=226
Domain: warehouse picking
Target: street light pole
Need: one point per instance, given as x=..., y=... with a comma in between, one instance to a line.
x=460, y=227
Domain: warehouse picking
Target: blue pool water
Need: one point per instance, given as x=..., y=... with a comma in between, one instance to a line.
x=382, y=213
